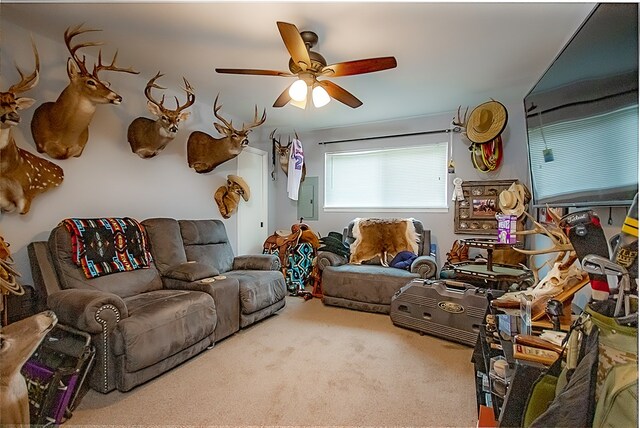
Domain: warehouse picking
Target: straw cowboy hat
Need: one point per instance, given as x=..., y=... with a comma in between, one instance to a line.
x=245, y=191
x=486, y=122
x=514, y=200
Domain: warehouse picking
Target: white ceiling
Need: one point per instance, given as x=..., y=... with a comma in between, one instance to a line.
x=448, y=54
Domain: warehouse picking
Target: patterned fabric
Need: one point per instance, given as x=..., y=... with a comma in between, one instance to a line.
x=101, y=246
x=299, y=267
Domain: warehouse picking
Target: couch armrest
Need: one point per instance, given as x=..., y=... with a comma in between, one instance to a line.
x=191, y=271
x=425, y=266
x=256, y=262
x=87, y=310
x=327, y=258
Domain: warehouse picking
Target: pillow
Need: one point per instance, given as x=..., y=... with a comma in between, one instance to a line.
x=403, y=260
x=191, y=271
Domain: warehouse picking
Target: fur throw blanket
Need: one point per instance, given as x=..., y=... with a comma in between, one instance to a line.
x=383, y=238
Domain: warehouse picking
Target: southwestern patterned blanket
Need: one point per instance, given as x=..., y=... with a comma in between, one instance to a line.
x=101, y=246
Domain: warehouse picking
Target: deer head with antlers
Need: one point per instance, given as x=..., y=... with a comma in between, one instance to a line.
x=282, y=153
x=149, y=137
x=23, y=175
x=61, y=128
x=204, y=152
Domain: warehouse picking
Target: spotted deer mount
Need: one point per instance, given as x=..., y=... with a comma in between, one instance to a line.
x=149, y=137
x=61, y=128
x=23, y=175
x=205, y=153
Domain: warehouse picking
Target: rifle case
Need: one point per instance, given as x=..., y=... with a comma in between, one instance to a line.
x=447, y=309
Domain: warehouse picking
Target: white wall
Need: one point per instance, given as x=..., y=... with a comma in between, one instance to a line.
x=515, y=165
x=107, y=179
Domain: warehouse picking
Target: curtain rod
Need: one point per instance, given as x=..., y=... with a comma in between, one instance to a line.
x=438, y=131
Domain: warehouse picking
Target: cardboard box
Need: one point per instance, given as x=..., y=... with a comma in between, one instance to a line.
x=506, y=228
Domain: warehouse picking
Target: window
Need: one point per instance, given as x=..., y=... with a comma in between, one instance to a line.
x=403, y=178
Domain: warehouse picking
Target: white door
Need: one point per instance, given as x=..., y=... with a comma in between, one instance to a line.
x=252, y=214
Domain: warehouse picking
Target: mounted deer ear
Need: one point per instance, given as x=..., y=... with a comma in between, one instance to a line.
x=154, y=109
x=72, y=69
x=24, y=103
x=184, y=115
x=221, y=129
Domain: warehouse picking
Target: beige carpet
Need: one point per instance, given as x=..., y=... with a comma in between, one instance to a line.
x=308, y=365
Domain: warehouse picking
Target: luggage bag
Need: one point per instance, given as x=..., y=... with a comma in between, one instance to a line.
x=56, y=373
x=448, y=309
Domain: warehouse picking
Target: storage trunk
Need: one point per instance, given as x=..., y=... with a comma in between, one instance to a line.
x=448, y=309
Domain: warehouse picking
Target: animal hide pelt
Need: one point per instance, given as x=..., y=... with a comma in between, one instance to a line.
x=383, y=238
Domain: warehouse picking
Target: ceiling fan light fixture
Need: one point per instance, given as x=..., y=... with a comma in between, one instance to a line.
x=298, y=90
x=320, y=96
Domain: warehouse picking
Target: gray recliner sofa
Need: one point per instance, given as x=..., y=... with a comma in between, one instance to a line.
x=370, y=286
x=147, y=321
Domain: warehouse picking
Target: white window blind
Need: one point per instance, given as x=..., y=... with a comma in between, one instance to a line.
x=587, y=148
x=404, y=178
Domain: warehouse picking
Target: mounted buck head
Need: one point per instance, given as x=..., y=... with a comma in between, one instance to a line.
x=23, y=175
x=149, y=137
x=61, y=128
x=283, y=154
x=204, y=152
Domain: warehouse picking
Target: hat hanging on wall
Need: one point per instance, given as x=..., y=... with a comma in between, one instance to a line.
x=486, y=122
x=514, y=200
x=245, y=190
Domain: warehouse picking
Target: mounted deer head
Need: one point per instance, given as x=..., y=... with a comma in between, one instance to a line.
x=283, y=154
x=204, y=152
x=149, y=137
x=23, y=175
x=61, y=128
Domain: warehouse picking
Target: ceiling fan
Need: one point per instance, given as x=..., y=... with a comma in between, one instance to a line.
x=309, y=66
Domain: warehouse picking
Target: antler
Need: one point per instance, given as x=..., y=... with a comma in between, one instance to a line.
x=560, y=244
x=458, y=121
x=69, y=34
x=152, y=84
x=111, y=67
x=256, y=121
x=560, y=241
x=191, y=97
x=217, y=108
x=29, y=81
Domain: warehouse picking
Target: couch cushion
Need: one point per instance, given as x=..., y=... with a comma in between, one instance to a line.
x=192, y=271
x=162, y=323
x=364, y=283
x=259, y=289
x=206, y=242
x=123, y=284
x=165, y=242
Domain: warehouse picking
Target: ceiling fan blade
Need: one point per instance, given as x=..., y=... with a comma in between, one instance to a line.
x=340, y=94
x=294, y=44
x=360, y=66
x=283, y=99
x=253, y=72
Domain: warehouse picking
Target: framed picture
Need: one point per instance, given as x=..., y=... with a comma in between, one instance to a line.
x=476, y=213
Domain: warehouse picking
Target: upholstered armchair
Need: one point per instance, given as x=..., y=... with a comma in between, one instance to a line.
x=369, y=286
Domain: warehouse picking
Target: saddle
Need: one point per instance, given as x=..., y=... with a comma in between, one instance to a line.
x=282, y=243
